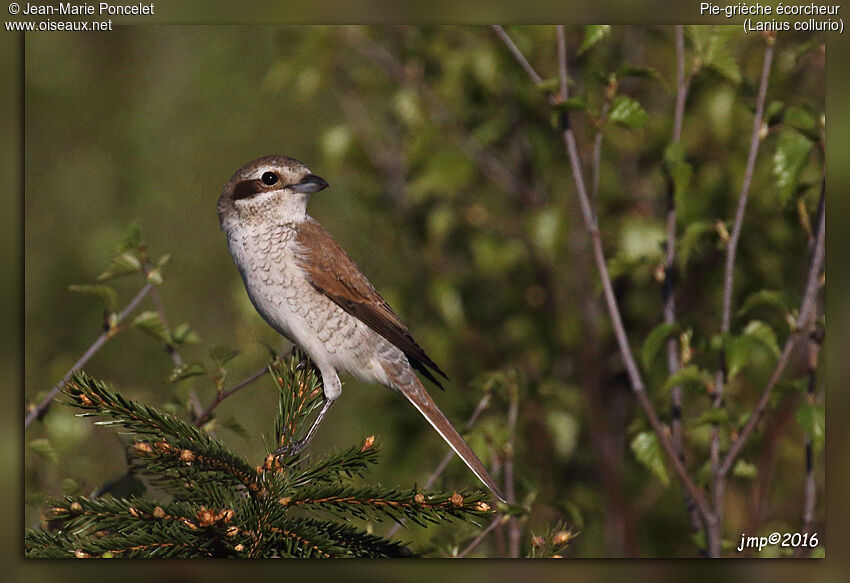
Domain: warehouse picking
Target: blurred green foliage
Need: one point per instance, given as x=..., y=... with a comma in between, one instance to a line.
x=451, y=189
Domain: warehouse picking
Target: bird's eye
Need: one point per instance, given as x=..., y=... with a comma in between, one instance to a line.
x=269, y=178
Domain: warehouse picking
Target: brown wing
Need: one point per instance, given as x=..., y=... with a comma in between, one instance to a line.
x=333, y=273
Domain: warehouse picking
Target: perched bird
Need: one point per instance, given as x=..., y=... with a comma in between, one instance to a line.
x=308, y=289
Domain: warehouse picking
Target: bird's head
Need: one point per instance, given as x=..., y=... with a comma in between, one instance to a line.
x=269, y=188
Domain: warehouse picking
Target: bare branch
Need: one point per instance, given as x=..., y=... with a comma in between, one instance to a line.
x=514, y=530
x=613, y=308
x=732, y=246
x=477, y=540
x=718, y=476
x=807, y=310
x=205, y=414
x=44, y=405
x=535, y=78
x=810, y=489
x=668, y=286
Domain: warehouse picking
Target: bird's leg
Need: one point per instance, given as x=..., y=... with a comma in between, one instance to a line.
x=296, y=447
x=332, y=388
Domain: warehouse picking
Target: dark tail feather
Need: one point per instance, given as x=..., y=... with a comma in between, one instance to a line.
x=420, y=398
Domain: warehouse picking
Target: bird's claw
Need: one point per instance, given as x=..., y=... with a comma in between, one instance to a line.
x=292, y=449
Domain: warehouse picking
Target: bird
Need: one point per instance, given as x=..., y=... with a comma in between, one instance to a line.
x=307, y=288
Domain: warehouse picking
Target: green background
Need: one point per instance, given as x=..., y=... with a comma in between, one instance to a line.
x=147, y=124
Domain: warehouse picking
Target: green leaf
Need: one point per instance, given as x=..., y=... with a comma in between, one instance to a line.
x=44, y=448
x=104, y=292
x=689, y=376
x=573, y=104
x=655, y=341
x=133, y=239
x=186, y=371
x=799, y=118
x=648, y=452
x=151, y=323
x=121, y=264
x=764, y=298
x=70, y=487
x=764, y=335
x=738, y=350
x=679, y=171
x=549, y=85
x=792, y=153
x=712, y=416
x=691, y=239
x=155, y=276
x=628, y=70
x=233, y=425
x=711, y=45
x=773, y=111
x=222, y=354
x=182, y=334
x=812, y=419
x=800, y=385
x=593, y=33
x=628, y=112
x=744, y=469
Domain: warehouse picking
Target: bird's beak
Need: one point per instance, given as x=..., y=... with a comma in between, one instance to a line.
x=310, y=184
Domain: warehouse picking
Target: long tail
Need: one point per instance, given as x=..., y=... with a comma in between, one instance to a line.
x=420, y=398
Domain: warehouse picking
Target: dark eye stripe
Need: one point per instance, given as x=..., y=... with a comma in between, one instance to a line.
x=247, y=189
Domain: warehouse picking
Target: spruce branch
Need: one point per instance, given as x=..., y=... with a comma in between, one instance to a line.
x=376, y=503
x=223, y=506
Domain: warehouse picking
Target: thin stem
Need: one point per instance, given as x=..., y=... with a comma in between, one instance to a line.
x=668, y=287
x=477, y=540
x=810, y=489
x=635, y=379
x=755, y=141
x=514, y=529
x=597, y=157
x=717, y=477
x=205, y=414
x=44, y=405
x=518, y=54
x=172, y=351
x=807, y=310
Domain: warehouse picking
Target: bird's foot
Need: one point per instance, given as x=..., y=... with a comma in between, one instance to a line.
x=292, y=449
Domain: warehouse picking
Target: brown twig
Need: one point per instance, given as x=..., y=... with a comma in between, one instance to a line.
x=638, y=387
x=807, y=309
x=810, y=489
x=635, y=379
x=477, y=540
x=514, y=529
x=500, y=31
x=222, y=395
x=668, y=286
x=718, y=477
x=44, y=405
